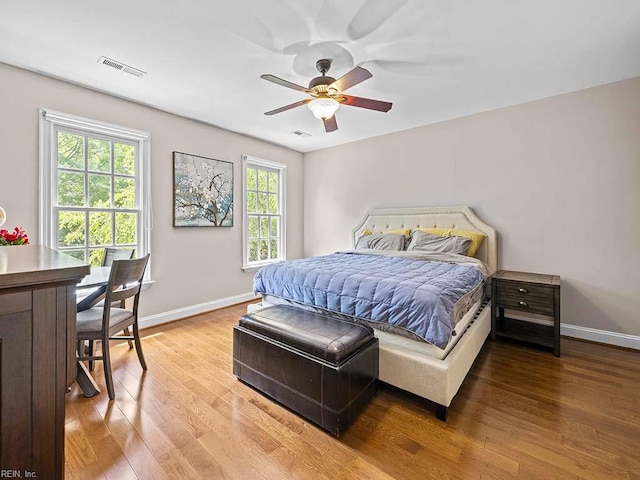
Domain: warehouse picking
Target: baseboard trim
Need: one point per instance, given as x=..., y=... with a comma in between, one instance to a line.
x=173, y=315
x=600, y=336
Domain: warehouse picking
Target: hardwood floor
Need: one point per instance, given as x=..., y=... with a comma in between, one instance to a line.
x=521, y=414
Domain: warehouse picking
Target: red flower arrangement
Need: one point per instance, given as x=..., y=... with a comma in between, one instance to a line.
x=17, y=237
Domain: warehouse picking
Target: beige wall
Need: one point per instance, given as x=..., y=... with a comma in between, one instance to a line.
x=191, y=266
x=558, y=178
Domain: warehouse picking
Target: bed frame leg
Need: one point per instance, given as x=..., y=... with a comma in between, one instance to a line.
x=441, y=412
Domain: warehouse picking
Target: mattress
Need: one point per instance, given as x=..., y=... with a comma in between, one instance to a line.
x=389, y=338
x=419, y=295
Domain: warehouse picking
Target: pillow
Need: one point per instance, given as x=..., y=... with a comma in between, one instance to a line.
x=476, y=237
x=382, y=241
x=402, y=231
x=434, y=243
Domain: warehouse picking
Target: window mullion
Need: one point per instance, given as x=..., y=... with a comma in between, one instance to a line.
x=86, y=235
x=112, y=191
x=86, y=197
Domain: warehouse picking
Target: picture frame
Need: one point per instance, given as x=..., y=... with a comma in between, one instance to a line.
x=202, y=191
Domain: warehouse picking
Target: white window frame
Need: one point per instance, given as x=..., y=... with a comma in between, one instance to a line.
x=247, y=162
x=50, y=121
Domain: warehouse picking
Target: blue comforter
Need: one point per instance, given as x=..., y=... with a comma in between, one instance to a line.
x=409, y=293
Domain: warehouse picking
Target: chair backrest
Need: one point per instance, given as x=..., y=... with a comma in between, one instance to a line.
x=125, y=281
x=111, y=254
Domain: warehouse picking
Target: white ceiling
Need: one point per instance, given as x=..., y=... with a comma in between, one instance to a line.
x=434, y=59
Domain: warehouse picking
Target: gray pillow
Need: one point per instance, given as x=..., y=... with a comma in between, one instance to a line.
x=432, y=243
x=382, y=241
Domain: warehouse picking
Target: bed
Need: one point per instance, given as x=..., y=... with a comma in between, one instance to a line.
x=432, y=372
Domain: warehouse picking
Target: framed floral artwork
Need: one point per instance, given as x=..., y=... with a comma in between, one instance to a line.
x=202, y=191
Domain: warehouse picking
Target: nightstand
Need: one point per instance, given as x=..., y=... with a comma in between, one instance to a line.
x=527, y=295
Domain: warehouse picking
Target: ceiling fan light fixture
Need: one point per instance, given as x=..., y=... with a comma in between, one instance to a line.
x=327, y=94
x=323, y=108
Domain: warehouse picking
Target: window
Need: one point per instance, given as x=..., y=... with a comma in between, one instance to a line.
x=93, y=187
x=264, y=217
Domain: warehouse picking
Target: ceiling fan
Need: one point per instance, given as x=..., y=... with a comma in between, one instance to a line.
x=327, y=94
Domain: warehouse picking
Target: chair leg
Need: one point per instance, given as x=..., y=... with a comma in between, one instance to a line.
x=126, y=332
x=136, y=338
x=85, y=348
x=90, y=353
x=106, y=365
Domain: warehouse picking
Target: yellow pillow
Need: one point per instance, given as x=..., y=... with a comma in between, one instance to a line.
x=402, y=231
x=476, y=238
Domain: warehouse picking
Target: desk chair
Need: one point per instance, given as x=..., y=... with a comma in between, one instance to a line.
x=102, y=322
x=111, y=254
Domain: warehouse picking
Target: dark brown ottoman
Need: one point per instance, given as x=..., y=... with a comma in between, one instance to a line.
x=320, y=367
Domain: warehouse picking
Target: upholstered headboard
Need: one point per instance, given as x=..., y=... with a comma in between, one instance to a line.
x=461, y=217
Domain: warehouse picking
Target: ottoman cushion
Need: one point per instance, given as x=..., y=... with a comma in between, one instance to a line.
x=324, y=337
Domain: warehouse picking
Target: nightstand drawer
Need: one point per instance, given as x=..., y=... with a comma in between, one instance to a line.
x=525, y=297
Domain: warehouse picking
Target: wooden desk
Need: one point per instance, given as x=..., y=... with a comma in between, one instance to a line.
x=37, y=355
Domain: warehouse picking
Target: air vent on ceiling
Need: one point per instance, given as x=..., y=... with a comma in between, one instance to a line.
x=121, y=66
x=302, y=134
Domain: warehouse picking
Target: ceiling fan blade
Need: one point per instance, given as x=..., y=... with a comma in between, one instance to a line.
x=367, y=103
x=287, y=107
x=330, y=124
x=351, y=78
x=284, y=83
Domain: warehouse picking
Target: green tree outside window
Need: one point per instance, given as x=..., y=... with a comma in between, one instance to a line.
x=96, y=195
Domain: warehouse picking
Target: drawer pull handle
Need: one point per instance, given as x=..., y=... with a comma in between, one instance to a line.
x=523, y=290
x=523, y=304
